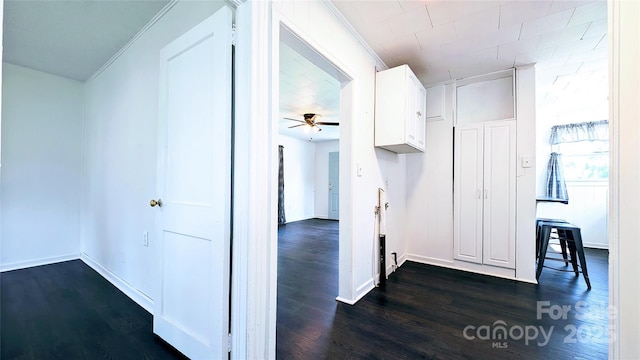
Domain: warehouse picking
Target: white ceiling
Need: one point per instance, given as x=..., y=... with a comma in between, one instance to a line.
x=454, y=39
x=447, y=40
x=440, y=40
x=72, y=39
x=305, y=88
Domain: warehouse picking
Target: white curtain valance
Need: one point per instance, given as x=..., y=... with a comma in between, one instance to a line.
x=586, y=131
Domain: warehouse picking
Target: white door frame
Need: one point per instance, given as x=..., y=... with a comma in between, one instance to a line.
x=284, y=29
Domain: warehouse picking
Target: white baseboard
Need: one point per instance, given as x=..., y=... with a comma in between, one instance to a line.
x=430, y=261
x=596, y=246
x=38, y=262
x=361, y=291
x=468, y=267
x=140, y=298
x=370, y=284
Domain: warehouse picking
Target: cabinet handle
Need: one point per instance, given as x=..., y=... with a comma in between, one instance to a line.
x=478, y=193
x=418, y=113
x=486, y=193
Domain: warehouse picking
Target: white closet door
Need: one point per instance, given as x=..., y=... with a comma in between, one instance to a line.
x=191, y=307
x=499, y=193
x=468, y=192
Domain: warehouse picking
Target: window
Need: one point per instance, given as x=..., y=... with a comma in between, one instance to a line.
x=585, y=160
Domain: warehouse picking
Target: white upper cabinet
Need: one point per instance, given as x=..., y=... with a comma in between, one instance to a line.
x=435, y=103
x=400, y=111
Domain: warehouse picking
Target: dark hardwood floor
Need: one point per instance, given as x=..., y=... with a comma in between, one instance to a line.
x=424, y=310
x=68, y=311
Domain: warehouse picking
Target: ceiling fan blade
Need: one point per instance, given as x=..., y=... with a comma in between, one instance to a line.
x=328, y=123
x=302, y=121
x=296, y=126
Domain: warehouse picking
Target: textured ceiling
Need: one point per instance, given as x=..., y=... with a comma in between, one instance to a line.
x=448, y=40
x=72, y=39
x=440, y=40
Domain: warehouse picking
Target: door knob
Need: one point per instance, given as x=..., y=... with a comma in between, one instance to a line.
x=154, y=202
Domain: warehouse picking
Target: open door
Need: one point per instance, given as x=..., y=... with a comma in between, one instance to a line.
x=191, y=306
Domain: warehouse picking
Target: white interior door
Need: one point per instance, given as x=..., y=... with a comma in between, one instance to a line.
x=500, y=194
x=191, y=306
x=468, y=192
x=334, y=189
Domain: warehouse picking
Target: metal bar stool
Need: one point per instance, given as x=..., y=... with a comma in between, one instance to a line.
x=569, y=233
x=552, y=236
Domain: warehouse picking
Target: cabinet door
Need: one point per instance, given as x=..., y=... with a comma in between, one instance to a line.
x=421, y=108
x=499, y=194
x=467, y=192
x=411, y=123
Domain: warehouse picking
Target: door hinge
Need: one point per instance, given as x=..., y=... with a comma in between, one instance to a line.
x=229, y=343
x=233, y=34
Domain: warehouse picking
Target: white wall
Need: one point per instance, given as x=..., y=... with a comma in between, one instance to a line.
x=306, y=177
x=429, y=214
x=316, y=23
x=41, y=167
x=120, y=155
x=299, y=179
x=323, y=148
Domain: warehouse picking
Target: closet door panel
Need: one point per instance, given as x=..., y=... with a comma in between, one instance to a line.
x=499, y=194
x=468, y=174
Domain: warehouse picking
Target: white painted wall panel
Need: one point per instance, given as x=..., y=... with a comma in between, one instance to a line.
x=41, y=167
x=429, y=196
x=299, y=178
x=588, y=208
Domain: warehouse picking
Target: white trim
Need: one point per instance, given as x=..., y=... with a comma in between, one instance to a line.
x=361, y=291
x=613, y=31
x=453, y=266
x=596, y=246
x=430, y=261
x=254, y=269
x=135, y=38
x=134, y=294
x=346, y=301
x=380, y=64
x=38, y=262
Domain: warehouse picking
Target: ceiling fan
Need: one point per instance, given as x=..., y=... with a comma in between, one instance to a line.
x=311, y=122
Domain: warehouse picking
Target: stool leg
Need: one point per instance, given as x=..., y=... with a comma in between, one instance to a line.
x=574, y=258
x=542, y=252
x=583, y=261
x=563, y=245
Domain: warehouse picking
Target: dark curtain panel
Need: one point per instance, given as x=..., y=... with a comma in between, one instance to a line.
x=281, y=218
x=556, y=186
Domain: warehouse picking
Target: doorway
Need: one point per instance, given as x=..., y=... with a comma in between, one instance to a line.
x=310, y=127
